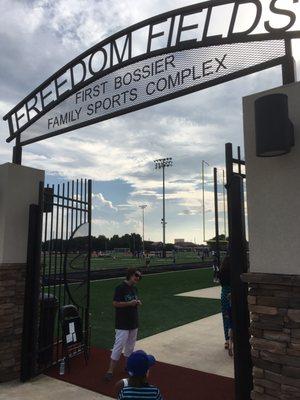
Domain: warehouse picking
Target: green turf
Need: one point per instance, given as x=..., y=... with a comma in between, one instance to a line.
x=161, y=310
x=121, y=260
x=55, y=262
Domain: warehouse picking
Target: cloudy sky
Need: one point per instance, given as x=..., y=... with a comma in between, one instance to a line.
x=38, y=37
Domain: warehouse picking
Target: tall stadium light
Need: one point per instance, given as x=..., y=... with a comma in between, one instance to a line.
x=224, y=205
x=143, y=206
x=203, y=204
x=162, y=163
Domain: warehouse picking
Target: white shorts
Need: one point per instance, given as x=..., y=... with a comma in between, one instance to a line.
x=124, y=339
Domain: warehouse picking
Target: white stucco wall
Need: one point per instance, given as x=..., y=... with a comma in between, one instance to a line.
x=273, y=195
x=19, y=187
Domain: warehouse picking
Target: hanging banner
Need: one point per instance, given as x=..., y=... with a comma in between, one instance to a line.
x=164, y=57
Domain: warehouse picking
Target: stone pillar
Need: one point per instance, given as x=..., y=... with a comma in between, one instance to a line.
x=274, y=303
x=19, y=187
x=273, y=192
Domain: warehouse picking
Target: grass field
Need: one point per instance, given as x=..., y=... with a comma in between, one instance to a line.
x=117, y=261
x=161, y=310
x=129, y=261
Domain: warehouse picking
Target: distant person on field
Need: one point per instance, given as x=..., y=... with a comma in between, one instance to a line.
x=224, y=278
x=215, y=267
x=137, y=386
x=174, y=256
x=147, y=260
x=126, y=304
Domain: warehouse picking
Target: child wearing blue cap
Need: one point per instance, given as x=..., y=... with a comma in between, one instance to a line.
x=137, y=386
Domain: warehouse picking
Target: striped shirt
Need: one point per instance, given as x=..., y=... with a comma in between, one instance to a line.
x=140, y=393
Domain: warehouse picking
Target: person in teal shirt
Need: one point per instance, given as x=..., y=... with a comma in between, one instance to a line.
x=224, y=278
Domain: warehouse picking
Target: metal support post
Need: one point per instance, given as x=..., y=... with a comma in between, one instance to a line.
x=239, y=291
x=17, y=152
x=29, y=352
x=289, y=65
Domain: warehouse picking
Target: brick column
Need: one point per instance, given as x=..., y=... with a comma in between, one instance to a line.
x=12, y=280
x=274, y=304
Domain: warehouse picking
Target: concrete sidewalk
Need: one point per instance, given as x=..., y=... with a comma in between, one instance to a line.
x=198, y=345
x=45, y=388
x=213, y=292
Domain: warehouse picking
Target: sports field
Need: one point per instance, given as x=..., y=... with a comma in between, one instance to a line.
x=161, y=309
x=55, y=262
x=120, y=260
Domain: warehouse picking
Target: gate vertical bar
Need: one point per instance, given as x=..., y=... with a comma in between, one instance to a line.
x=67, y=234
x=216, y=215
x=62, y=245
x=57, y=276
x=87, y=313
x=82, y=213
x=50, y=246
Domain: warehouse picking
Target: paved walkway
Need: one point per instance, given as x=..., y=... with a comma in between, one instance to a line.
x=198, y=345
x=45, y=388
x=208, y=293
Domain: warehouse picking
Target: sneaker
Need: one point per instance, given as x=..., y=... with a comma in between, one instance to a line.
x=108, y=376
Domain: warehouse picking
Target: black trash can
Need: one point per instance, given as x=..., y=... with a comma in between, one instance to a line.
x=48, y=311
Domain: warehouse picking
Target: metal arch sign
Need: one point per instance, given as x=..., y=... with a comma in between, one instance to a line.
x=164, y=57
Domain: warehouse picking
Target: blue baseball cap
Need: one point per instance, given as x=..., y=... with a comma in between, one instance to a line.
x=139, y=362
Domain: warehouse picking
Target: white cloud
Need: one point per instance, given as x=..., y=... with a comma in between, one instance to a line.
x=98, y=199
x=38, y=37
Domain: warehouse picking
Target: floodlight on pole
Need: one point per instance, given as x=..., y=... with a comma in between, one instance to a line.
x=203, y=204
x=162, y=163
x=143, y=206
x=224, y=206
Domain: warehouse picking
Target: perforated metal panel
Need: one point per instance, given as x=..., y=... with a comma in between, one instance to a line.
x=155, y=80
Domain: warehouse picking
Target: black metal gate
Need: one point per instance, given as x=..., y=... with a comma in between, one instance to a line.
x=239, y=265
x=58, y=272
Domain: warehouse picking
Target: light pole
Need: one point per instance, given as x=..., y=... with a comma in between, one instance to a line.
x=162, y=163
x=203, y=205
x=143, y=206
x=224, y=208
x=216, y=215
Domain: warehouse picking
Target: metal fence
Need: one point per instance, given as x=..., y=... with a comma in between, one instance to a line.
x=59, y=244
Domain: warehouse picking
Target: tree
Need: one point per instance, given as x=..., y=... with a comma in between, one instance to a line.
x=223, y=243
